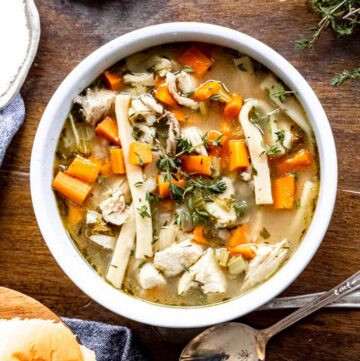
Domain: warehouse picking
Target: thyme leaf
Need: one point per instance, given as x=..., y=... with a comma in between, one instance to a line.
x=144, y=212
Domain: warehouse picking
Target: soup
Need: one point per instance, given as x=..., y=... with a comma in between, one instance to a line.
x=186, y=174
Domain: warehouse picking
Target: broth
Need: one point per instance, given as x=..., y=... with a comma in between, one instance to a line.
x=186, y=174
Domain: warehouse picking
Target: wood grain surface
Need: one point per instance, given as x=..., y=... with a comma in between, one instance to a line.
x=16, y=304
x=73, y=29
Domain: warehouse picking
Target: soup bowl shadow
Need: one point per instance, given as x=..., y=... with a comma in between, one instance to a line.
x=60, y=244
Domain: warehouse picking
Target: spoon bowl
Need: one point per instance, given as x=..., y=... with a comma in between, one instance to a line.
x=227, y=341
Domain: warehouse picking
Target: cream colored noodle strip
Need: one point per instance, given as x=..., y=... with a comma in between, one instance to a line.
x=303, y=214
x=259, y=161
x=245, y=79
x=121, y=255
x=291, y=106
x=144, y=231
x=273, y=123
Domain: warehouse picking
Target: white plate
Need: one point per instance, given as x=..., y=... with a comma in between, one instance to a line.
x=32, y=16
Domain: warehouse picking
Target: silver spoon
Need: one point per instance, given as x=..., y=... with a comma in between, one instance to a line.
x=238, y=342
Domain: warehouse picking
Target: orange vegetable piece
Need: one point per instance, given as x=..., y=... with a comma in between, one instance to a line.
x=105, y=168
x=163, y=94
x=113, y=81
x=246, y=251
x=238, y=154
x=84, y=169
x=140, y=153
x=227, y=131
x=72, y=188
x=197, y=164
x=198, y=235
x=75, y=214
x=117, y=161
x=284, y=192
x=215, y=148
x=196, y=59
x=164, y=186
x=239, y=236
x=206, y=90
x=232, y=109
x=180, y=115
x=108, y=129
x=297, y=161
x=159, y=81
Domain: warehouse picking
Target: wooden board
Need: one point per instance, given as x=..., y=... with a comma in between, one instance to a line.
x=73, y=29
x=15, y=304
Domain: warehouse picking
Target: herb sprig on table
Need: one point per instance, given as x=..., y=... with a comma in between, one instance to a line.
x=343, y=17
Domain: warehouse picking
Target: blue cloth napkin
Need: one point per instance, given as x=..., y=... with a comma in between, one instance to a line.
x=11, y=117
x=109, y=342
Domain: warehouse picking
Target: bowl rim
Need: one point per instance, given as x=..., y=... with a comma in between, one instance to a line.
x=59, y=243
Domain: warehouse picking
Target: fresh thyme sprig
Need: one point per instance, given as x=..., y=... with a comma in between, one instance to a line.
x=345, y=75
x=341, y=16
x=279, y=92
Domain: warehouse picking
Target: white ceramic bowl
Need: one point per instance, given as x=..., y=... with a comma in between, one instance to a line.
x=64, y=251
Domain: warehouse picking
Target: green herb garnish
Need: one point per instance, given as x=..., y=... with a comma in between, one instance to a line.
x=136, y=133
x=265, y=233
x=240, y=209
x=278, y=92
x=342, y=16
x=241, y=67
x=345, y=75
x=273, y=150
x=144, y=212
x=152, y=197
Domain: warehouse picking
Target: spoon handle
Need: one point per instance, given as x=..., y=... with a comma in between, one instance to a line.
x=349, y=285
x=350, y=301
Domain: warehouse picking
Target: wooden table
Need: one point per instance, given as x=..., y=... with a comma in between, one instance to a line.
x=73, y=29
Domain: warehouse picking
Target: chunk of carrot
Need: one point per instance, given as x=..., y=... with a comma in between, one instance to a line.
x=246, y=251
x=72, y=188
x=140, y=153
x=105, y=169
x=75, y=214
x=117, y=161
x=206, y=90
x=159, y=81
x=164, y=185
x=232, y=109
x=238, y=236
x=295, y=162
x=180, y=115
x=108, y=129
x=198, y=235
x=284, y=192
x=238, y=154
x=163, y=94
x=196, y=59
x=227, y=130
x=216, y=143
x=84, y=169
x=113, y=81
x=199, y=164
